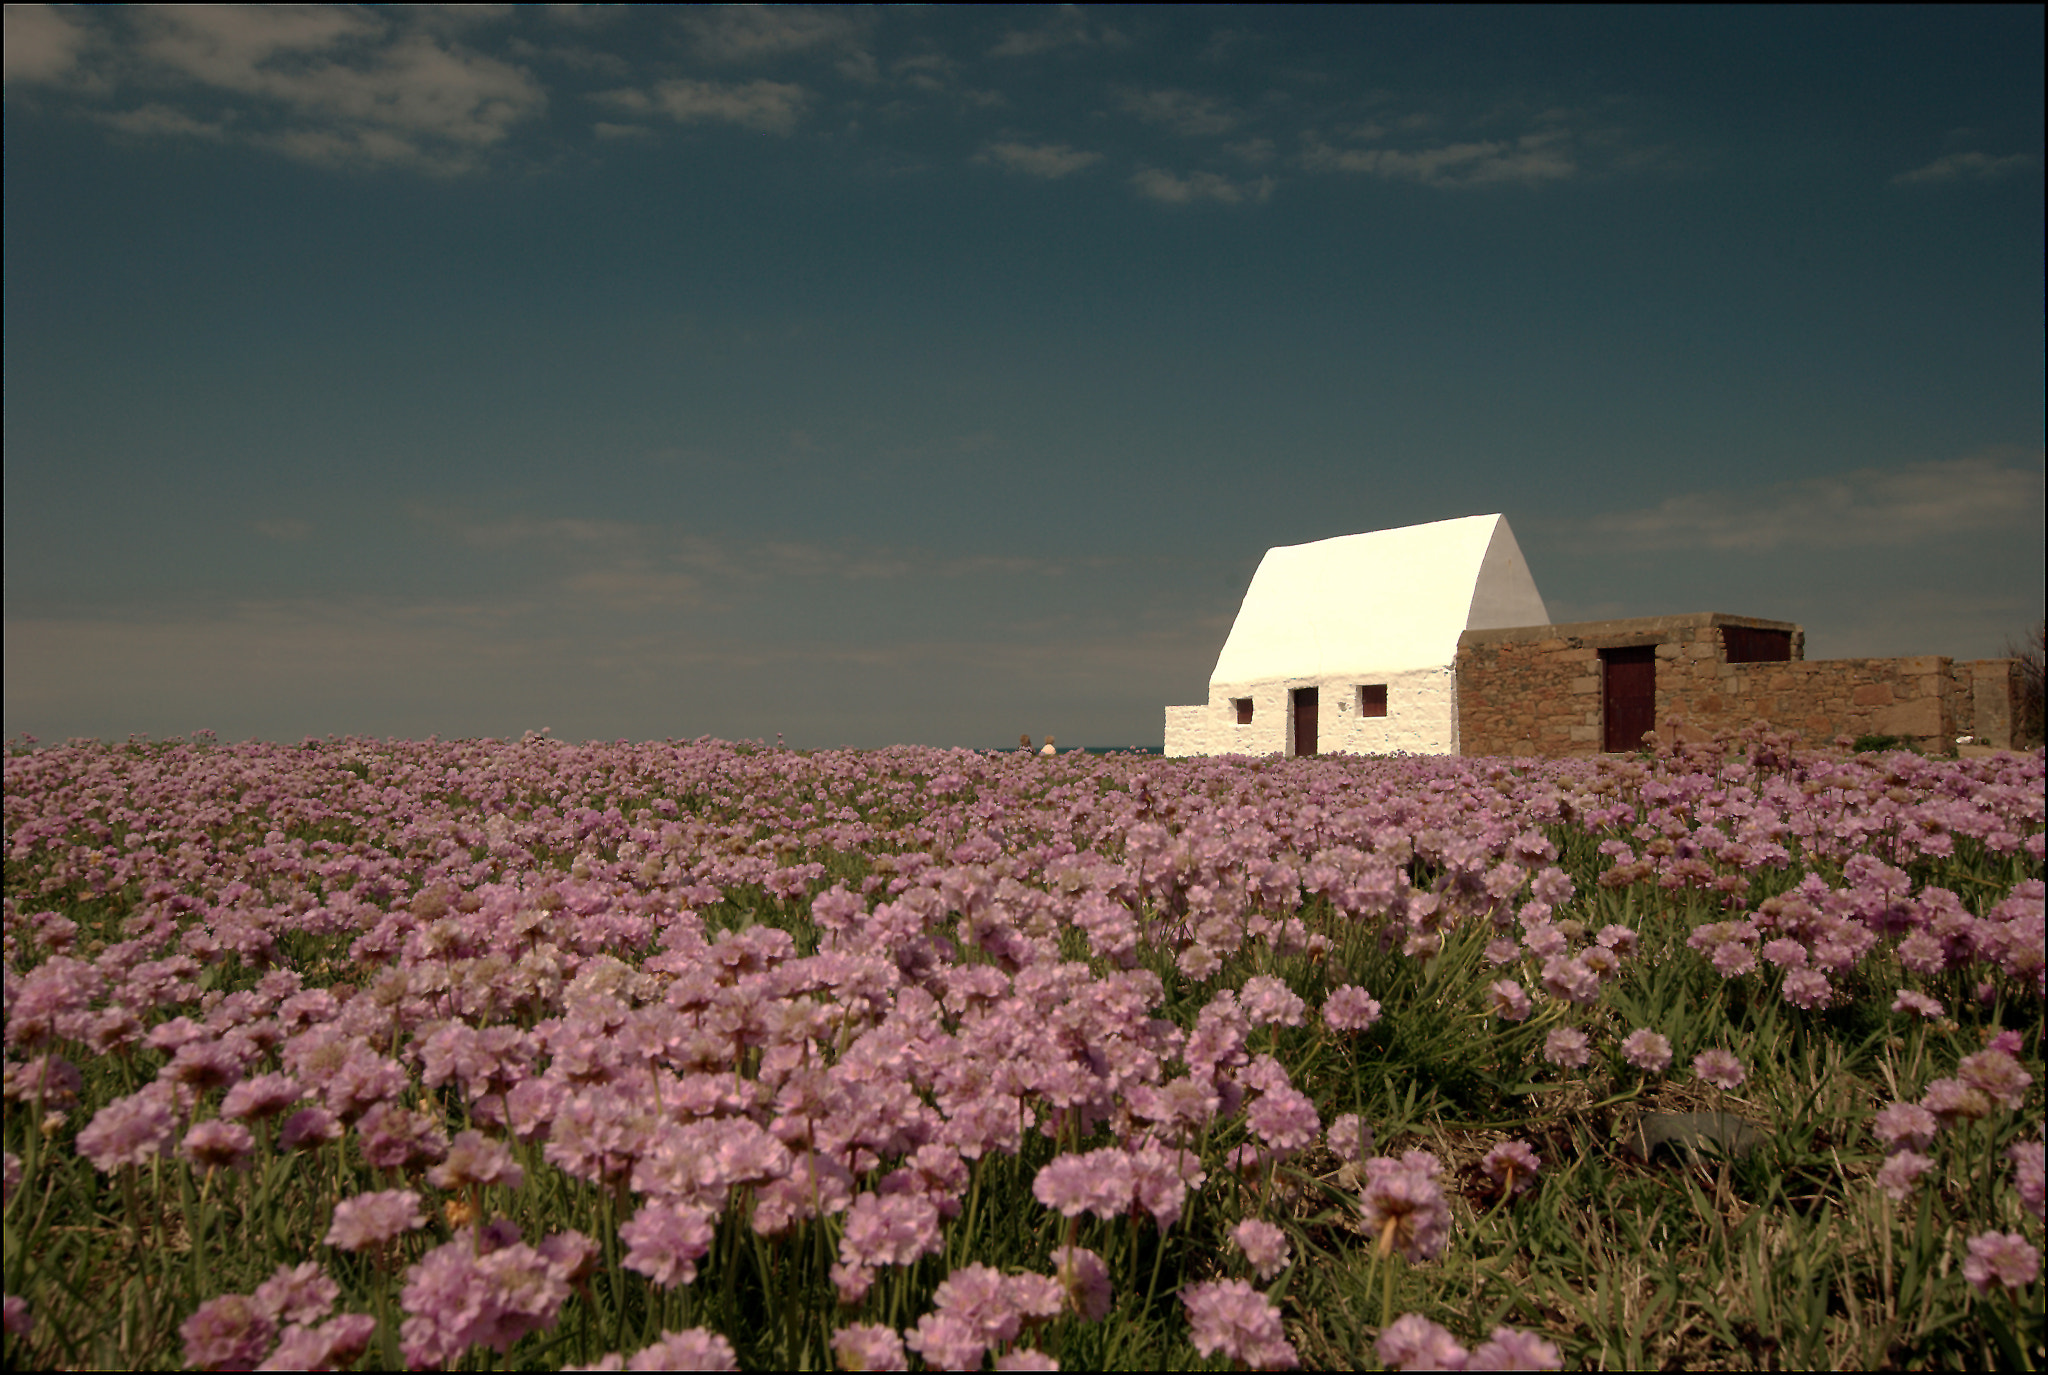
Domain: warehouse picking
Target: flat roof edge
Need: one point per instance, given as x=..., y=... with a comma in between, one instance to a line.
x=1633, y=626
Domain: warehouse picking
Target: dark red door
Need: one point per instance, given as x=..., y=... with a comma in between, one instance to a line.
x=1628, y=697
x=1304, y=721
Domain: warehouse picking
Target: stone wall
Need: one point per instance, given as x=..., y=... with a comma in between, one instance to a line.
x=1421, y=716
x=1537, y=690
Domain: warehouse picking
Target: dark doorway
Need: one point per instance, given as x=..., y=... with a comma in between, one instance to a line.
x=1628, y=697
x=1304, y=721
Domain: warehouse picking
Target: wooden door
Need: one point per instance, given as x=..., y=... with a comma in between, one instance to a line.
x=1304, y=721
x=1628, y=697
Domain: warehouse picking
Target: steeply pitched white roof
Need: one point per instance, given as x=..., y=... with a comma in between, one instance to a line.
x=1383, y=602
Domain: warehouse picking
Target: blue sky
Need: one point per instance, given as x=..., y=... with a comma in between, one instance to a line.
x=933, y=375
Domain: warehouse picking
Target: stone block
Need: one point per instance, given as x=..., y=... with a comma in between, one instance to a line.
x=1585, y=733
x=1873, y=695
x=1581, y=686
x=1921, y=716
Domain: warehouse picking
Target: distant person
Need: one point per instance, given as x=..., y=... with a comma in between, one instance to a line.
x=1048, y=750
x=1024, y=743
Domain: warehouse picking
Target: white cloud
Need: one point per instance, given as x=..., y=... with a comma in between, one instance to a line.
x=1998, y=490
x=1048, y=160
x=1965, y=167
x=1067, y=28
x=1528, y=160
x=1170, y=189
x=324, y=85
x=769, y=107
x=1183, y=112
x=751, y=33
x=41, y=44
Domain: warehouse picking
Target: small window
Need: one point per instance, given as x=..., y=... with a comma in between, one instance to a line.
x=1372, y=699
x=1244, y=710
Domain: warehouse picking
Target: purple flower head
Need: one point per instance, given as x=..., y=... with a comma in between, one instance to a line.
x=1508, y=1001
x=1509, y=1349
x=2001, y=1258
x=1807, y=988
x=218, y=1145
x=1568, y=1048
x=1232, y=1318
x=1647, y=1050
x=368, y=1220
x=1719, y=1068
x=2027, y=1175
x=1264, y=1246
x=1413, y=1342
x=266, y=1095
x=1404, y=1206
x=474, y=1158
x=1901, y=1171
x=1953, y=1101
x=337, y=1344
x=130, y=1131
x=1285, y=1119
x=231, y=1332
x=1350, y=1139
x=1918, y=1003
x=1350, y=1008
x=1084, y=1279
x=1513, y=1165
x=869, y=1346
x=1269, y=1002
x=1997, y=1076
x=697, y=1349
x=1903, y=1126
x=298, y=1293
x=665, y=1243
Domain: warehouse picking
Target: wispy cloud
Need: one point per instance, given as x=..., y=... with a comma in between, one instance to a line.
x=1981, y=493
x=1068, y=27
x=1965, y=167
x=41, y=45
x=752, y=33
x=1049, y=160
x=328, y=85
x=1171, y=189
x=1183, y=112
x=769, y=107
x=1529, y=160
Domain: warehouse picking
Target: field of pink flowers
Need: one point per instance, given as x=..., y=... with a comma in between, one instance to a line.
x=381, y=1053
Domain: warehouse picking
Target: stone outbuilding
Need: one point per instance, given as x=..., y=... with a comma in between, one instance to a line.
x=1432, y=639
x=1351, y=644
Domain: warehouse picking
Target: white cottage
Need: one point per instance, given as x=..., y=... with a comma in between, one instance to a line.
x=1351, y=644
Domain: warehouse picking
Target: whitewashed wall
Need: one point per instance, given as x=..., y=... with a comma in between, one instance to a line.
x=1422, y=717
x=1384, y=607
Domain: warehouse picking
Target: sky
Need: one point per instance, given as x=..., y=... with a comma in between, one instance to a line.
x=935, y=375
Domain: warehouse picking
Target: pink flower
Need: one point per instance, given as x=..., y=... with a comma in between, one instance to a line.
x=1264, y=1246
x=1922, y=1005
x=1285, y=1119
x=1901, y=1171
x=1413, y=1342
x=1513, y=1165
x=1647, y=1050
x=228, y=1333
x=266, y=1095
x=1268, y=1001
x=2027, y=1174
x=218, y=1145
x=2001, y=1258
x=1350, y=1140
x=1509, y=1349
x=1997, y=1076
x=1231, y=1317
x=1719, y=1068
x=308, y=1129
x=1904, y=1125
x=368, y=1220
x=1567, y=1048
x=1953, y=1101
x=336, y=1344
x=1404, y=1206
x=1807, y=988
x=1350, y=1008
x=1085, y=1280
x=1508, y=1000
x=474, y=1158
x=869, y=1346
x=892, y=1230
x=298, y=1294
x=665, y=1242
x=130, y=1131
x=696, y=1349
